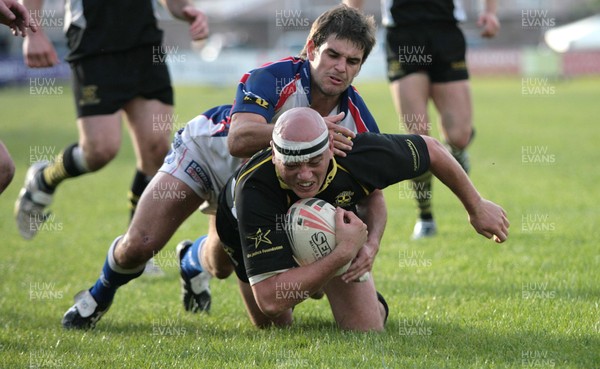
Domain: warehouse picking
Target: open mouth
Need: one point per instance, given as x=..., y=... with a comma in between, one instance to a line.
x=335, y=80
x=305, y=186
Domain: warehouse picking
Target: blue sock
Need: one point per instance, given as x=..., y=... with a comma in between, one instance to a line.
x=190, y=262
x=112, y=277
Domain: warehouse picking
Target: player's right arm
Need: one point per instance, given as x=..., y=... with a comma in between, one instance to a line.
x=16, y=17
x=248, y=134
x=488, y=218
x=38, y=50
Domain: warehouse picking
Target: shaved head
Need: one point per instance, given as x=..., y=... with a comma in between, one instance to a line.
x=300, y=134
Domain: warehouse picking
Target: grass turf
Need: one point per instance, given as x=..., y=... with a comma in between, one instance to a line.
x=457, y=300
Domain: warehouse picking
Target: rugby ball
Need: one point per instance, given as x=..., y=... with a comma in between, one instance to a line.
x=310, y=229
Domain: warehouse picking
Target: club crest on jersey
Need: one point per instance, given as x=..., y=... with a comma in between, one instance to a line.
x=195, y=171
x=344, y=198
x=250, y=99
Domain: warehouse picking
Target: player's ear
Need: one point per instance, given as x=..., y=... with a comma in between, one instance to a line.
x=272, y=152
x=310, y=50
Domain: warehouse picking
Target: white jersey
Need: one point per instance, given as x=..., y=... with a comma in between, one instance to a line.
x=200, y=158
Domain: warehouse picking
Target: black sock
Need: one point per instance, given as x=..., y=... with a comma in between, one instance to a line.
x=64, y=166
x=140, y=182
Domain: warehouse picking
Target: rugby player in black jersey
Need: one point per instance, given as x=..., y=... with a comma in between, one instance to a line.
x=300, y=164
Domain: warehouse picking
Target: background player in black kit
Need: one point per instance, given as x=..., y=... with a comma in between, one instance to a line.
x=300, y=164
x=115, y=58
x=426, y=60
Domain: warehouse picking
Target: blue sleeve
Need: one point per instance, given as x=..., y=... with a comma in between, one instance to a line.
x=257, y=94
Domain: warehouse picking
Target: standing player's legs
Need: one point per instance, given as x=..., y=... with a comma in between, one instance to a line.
x=150, y=140
x=411, y=95
x=356, y=305
x=453, y=102
x=450, y=90
x=99, y=142
x=155, y=222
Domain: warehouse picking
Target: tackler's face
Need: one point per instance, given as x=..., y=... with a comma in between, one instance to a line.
x=334, y=64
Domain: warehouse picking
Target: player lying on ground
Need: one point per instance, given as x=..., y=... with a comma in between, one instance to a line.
x=300, y=164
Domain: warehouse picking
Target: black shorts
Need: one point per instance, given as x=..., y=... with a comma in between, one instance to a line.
x=436, y=49
x=103, y=84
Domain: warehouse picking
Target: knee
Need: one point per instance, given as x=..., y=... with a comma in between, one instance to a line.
x=157, y=150
x=98, y=154
x=458, y=130
x=459, y=139
x=135, y=249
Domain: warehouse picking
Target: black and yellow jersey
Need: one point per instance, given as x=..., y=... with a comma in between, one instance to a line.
x=253, y=204
x=100, y=26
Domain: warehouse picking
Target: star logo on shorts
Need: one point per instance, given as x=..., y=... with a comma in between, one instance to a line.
x=260, y=237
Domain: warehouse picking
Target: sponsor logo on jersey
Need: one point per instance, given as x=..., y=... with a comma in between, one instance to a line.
x=260, y=237
x=415, y=154
x=249, y=99
x=195, y=171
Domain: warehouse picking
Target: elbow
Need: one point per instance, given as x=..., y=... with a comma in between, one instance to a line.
x=235, y=146
x=435, y=149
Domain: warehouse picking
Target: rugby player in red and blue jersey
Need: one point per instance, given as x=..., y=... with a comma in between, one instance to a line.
x=200, y=161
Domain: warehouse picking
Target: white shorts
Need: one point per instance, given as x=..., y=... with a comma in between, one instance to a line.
x=200, y=158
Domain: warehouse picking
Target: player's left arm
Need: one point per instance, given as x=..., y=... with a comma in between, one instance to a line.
x=373, y=212
x=488, y=218
x=186, y=11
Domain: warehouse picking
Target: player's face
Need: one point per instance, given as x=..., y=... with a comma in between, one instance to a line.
x=305, y=178
x=334, y=65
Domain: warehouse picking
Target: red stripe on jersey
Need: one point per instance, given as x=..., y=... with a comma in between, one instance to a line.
x=289, y=58
x=361, y=127
x=287, y=91
x=244, y=78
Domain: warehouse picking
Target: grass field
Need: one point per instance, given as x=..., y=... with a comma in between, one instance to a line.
x=457, y=301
